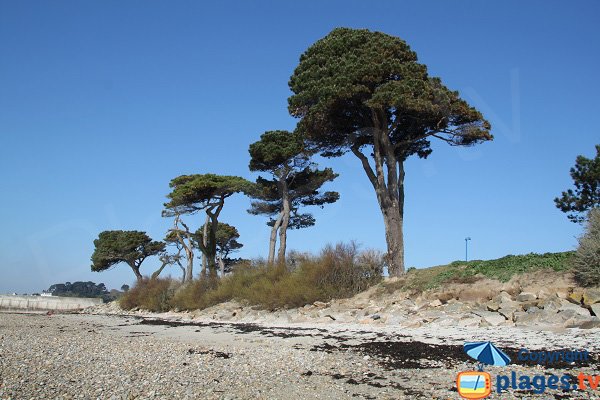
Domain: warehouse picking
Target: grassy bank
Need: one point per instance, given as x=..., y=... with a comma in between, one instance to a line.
x=502, y=269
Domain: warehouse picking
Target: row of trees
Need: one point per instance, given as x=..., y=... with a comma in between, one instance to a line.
x=353, y=91
x=293, y=181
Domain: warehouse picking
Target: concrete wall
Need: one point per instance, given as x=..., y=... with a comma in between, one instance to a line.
x=53, y=303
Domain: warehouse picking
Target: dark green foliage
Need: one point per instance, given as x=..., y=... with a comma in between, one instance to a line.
x=364, y=92
x=353, y=76
x=586, y=196
x=192, y=193
x=78, y=289
x=131, y=247
x=586, y=262
x=226, y=243
x=150, y=294
x=295, y=182
x=125, y=288
x=277, y=150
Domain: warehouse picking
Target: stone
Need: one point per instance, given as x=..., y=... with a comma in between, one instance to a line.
x=526, y=296
x=492, y=318
x=532, y=309
x=508, y=312
x=591, y=296
x=592, y=323
x=493, y=305
x=595, y=308
x=503, y=297
x=319, y=304
x=435, y=303
x=575, y=297
x=576, y=308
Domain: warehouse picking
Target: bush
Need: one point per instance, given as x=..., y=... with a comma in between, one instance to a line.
x=150, y=294
x=586, y=262
x=339, y=271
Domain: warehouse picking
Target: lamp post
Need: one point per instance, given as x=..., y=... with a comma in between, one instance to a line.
x=467, y=248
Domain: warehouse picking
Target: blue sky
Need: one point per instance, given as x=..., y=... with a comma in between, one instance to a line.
x=102, y=103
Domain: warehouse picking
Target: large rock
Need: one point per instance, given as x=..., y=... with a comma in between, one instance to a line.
x=592, y=323
x=491, y=318
x=526, y=296
x=550, y=303
x=566, y=305
x=591, y=296
x=575, y=297
x=508, y=312
x=595, y=308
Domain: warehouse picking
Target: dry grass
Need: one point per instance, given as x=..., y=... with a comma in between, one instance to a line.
x=338, y=271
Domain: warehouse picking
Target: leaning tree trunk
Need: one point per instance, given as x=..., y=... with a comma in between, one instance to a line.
x=284, y=222
x=273, y=238
x=136, y=271
x=189, y=270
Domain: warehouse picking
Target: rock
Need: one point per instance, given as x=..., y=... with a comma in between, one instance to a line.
x=526, y=296
x=508, y=312
x=592, y=323
x=491, y=318
x=575, y=297
x=595, y=308
x=493, y=305
x=576, y=308
x=550, y=303
x=532, y=309
x=503, y=297
x=591, y=296
x=529, y=304
x=469, y=320
x=319, y=304
x=435, y=303
x=375, y=317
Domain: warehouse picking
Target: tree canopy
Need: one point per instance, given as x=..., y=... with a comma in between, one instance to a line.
x=357, y=90
x=295, y=182
x=193, y=193
x=586, y=196
x=130, y=247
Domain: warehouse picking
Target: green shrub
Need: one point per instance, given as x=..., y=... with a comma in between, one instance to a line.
x=586, y=262
x=150, y=294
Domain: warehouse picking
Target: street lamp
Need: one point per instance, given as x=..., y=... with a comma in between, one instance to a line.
x=467, y=248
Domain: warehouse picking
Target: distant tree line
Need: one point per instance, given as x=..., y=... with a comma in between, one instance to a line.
x=78, y=289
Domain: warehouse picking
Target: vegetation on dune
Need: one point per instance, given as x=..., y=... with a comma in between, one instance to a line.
x=339, y=271
x=354, y=91
x=501, y=269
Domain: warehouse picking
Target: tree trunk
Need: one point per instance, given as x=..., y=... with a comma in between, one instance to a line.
x=205, y=242
x=136, y=271
x=273, y=239
x=221, y=267
x=393, y=221
x=158, y=271
x=285, y=197
x=189, y=270
x=388, y=182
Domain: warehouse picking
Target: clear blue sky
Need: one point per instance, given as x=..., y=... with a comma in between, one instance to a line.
x=102, y=103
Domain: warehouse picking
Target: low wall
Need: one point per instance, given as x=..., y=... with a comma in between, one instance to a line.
x=48, y=303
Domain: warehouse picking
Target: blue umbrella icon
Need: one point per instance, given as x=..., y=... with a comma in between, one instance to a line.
x=486, y=353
